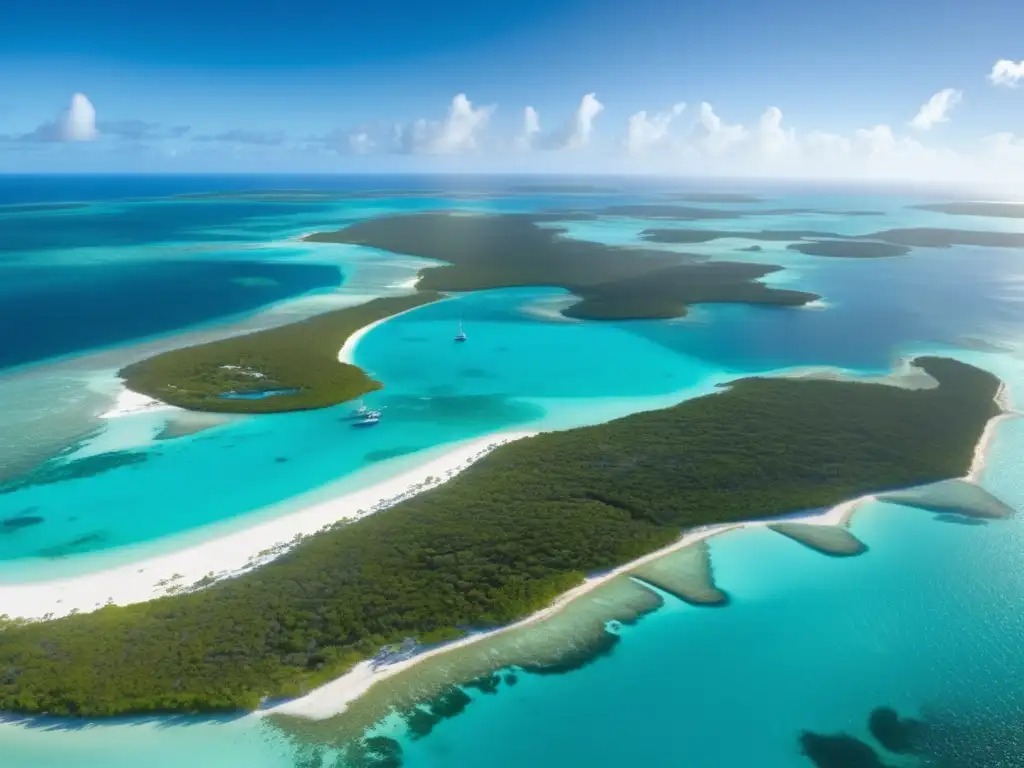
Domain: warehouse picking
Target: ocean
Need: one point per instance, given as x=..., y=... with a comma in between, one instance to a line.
x=927, y=620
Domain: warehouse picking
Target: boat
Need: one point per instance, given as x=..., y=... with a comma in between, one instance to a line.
x=368, y=419
x=360, y=411
x=461, y=335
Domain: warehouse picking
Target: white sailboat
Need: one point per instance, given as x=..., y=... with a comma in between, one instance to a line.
x=461, y=335
x=368, y=419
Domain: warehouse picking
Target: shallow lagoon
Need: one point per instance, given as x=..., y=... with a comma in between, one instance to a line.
x=929, y=614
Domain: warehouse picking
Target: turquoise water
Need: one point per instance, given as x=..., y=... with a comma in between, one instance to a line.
x=930, y=616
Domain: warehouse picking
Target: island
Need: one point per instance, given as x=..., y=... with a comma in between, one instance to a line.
x=289, y=368
x=889, y=242
x=500, y=541
x=512, y=250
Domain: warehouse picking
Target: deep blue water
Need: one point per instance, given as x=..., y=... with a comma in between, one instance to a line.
x=69, y=308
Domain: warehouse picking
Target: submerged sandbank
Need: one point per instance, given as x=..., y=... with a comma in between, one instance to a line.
x=235, y=552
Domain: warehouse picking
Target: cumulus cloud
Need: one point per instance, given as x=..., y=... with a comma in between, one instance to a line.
x=773, y=140
x=458, y=132
x=1007, y=73
x=78, y=122
x=646, y=132
x=582, y=125
x=531, y=129
x=715, y=136
x=936, y=110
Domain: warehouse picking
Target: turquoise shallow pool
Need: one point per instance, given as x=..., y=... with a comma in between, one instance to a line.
x=929, y=617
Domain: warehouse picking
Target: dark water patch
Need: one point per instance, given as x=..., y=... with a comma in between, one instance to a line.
x=849, y=249
x=59, y=470
x=839, y=751
x=421, y=719
x=391, y=453
x=40, y=207
x=135, y=224
x=981, y=345
x=485, y=684
x=1000, y=210
x=896, y=734
x=71, y=308
x=86, y=543
x=280, y=459
x=16, y=523
x=752, y=249
x=960, y=520
x=373, y=752
x=511, y=678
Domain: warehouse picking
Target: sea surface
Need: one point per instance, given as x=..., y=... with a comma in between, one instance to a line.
x=929, y=619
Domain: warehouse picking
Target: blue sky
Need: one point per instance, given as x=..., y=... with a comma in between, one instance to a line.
x=230, y=85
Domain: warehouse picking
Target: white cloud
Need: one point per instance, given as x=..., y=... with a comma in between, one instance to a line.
x=531, y=129
x=78, y=122
x=361, y=143
x=875, y=141
x=455, y=134
x=773, y=140
x=826, y=144
x=582, y=125
x=936, y=110
x=646, y=132
x=713, y=135
x=459, y=130
x=1007, y=72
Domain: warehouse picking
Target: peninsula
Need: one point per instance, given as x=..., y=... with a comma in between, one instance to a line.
x=500, y=541
x=292, y=367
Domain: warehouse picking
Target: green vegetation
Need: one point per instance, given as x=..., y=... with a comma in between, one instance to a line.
x=849, y=249
x=511, y=250
x=500, y=541
x=299, y=360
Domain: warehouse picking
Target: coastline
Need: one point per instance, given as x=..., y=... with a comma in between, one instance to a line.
x=236, y=552
x=347, y=352
x=333, y=698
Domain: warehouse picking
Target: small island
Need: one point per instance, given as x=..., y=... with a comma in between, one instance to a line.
x=500, y=541
x=289, y=368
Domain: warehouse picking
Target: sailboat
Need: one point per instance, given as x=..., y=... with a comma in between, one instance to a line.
x=360, y=411
x=461, y=335
x=367, y=419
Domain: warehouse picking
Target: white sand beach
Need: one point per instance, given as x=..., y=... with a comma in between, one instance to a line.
x=235, y=552
x=332, y=698
x=347, y=352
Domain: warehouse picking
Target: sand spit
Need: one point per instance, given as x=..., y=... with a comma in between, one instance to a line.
x=686, y=574
x=961, y=497
x=829, y=540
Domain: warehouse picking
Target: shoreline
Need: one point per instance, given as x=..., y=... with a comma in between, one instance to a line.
x=333, y=698
x=347, y=352
x=233, y=553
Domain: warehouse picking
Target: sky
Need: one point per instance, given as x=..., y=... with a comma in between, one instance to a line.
x=919, y=89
